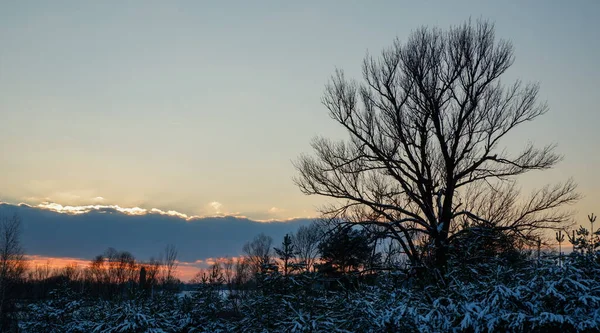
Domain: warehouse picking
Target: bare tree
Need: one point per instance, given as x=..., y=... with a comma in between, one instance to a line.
x=12, y=263
x=228, y=272
x=242, y=272
x=426, y=128
x=258, y=252
x=153, y=267
x=121, y=266
x=170, y=263
x=40, y=272
x=306, y=242
x=97, y=271
x=71, y=272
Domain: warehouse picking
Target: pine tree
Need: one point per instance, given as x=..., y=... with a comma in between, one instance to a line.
x=287, y=253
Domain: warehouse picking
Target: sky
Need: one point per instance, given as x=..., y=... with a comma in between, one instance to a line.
x=200, y=107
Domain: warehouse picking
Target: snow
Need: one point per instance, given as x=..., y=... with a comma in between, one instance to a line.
x=546, y=298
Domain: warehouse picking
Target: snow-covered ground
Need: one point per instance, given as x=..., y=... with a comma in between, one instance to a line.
x=543, y=298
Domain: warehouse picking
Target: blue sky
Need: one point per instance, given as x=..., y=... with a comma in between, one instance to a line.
x=201, y=106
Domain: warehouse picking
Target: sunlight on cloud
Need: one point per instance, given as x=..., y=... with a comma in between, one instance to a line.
x=216, y=206
x=86, y=209
x=172, y=213
x=138, y=211
x=275, y=210
x=75, y=210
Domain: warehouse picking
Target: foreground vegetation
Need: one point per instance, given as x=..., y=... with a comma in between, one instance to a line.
x=349, y=288
x=535, y=296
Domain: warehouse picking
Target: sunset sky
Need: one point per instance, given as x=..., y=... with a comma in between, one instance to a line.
x=199, y=107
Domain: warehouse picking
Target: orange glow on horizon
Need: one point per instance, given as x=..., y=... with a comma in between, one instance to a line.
x=185, y=270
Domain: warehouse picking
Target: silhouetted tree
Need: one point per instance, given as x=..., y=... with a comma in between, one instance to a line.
x=71, y=272
x=346, y=249
x=228, y=271
x=426, y=129
x=484, y=246
x=242, y=272
x=12, y=266
x=143, y=283
x=584, y=241
x=287, y=252
x=153, y=267
x=306, y=242
x=97, y=271
x=121, y=266
x=258, y=252
x=170, y=264
x=112, y=273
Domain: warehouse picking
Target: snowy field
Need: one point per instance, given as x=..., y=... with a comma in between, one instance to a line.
x=548, y=298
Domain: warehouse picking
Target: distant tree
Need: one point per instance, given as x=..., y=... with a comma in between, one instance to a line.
x=40, y=272
x=215, y=275
x=12, y=266
x=242, y=272
x=170, y=264
x=71, y=272
x=142, y=280
x=425, y=154
x=585, y=242
x=228, y=271
x=38, y=277
x=346, y=249
x=97, y=271
x=122, y=266
x=258, y=252
x=306, y=242
x=286, y=253
x=153, y=267
x=111, y=273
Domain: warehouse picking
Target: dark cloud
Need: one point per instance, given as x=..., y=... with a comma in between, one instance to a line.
x=54, y=234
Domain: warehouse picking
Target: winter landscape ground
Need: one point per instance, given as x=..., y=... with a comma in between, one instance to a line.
x=527, y=294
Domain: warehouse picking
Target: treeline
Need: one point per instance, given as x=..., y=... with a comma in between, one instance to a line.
x=113, y=274
x=333, y=252
x=336, y=255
